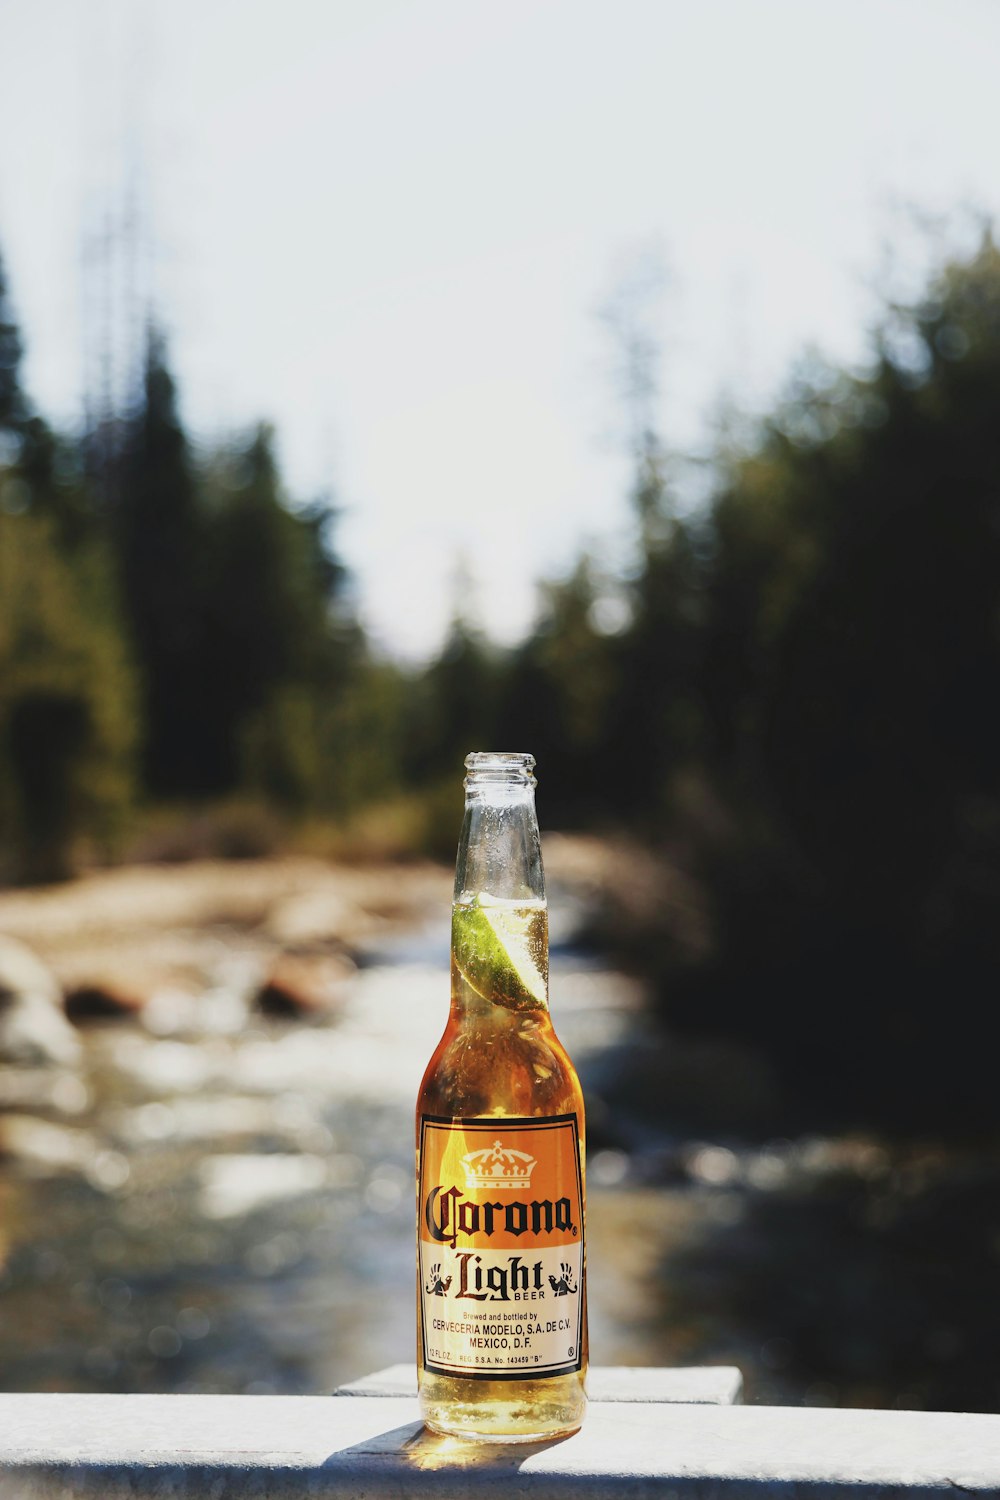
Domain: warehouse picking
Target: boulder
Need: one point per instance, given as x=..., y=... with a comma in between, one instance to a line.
x=43, y=1149
x=33, y=1029
x=103, y=1000
x=304, y=988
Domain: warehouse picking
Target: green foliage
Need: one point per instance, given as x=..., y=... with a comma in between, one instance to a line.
x=855, y=585
x=250, y=675
x=270, y=649
x=12, y=403
x=66, y=700
x=50, y=466
x=852, y=682
x=232, y=606
x=67, y=726
x=556, y=696
x=614, y=713
x=452, y=706
x=363, y=728
x=656, y=717
x=159, y=539
x=803, y=707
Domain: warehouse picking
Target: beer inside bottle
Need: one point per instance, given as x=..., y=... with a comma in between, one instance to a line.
x=501, y=1273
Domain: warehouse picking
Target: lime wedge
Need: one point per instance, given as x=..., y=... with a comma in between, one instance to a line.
x=491, y=948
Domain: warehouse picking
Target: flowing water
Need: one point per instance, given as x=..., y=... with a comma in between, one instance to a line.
x=217, y=1202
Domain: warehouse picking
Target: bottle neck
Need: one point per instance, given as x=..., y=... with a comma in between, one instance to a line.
x=500, y=921
x=499, y=852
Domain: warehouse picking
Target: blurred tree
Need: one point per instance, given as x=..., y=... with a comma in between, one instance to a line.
x=853, y=678
x=453, y=703
x=159, y=538
x=363, y=727
x=556, y=695
x=67, y=710
x=656, y=722
x=231, y=599
x=253, y=672
x=654, y=713
x=447, y=709
x=280, y=646
x=13, y=407
x=51, y=466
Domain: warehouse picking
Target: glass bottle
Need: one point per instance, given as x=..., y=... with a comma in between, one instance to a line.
x=501, y=1274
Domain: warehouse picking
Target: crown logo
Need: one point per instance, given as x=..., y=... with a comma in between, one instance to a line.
x=498, y=1166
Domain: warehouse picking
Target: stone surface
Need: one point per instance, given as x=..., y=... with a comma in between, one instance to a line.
x=228, y=1446
x=714, y=1385
x=104, y=999
x=43, y=1148
x=305, y=988
x=33, y=1029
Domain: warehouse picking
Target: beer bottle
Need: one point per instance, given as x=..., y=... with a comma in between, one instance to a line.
x=501, y=1274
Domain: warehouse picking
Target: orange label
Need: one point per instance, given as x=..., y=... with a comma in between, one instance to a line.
x=501, y=1246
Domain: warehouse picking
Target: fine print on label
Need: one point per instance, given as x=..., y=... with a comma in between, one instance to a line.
x=501, y=1246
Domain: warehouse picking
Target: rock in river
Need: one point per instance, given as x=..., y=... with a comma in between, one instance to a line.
x=33, y=1029
x=302, y=988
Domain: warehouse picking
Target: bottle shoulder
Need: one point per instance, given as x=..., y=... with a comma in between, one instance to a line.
x=515, y=1069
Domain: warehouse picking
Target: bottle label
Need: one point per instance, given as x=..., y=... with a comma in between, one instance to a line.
x=500, y=1246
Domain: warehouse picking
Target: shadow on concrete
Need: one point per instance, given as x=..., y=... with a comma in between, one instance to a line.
x=416, y=1446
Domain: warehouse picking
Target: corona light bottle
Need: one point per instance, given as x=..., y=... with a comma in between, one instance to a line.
x=501, y=1274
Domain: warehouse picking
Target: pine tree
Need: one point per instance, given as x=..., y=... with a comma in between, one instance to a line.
x=159, y=542
x=67, y=705
x=278, y=650
x=67, y=701
x=854, y=678
x=557, y=692
x=12, y=402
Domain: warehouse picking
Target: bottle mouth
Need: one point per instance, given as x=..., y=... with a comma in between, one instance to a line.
x=501, y=767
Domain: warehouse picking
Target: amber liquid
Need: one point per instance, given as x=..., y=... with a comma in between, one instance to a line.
x=497, y=1061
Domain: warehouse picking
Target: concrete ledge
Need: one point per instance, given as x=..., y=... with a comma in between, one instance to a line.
x=224, y=1447
x=712, y=1385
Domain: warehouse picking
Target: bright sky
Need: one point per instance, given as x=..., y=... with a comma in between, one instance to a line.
x=387, y=225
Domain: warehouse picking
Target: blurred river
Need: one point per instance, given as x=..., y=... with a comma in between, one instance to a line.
x=213, y=1201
